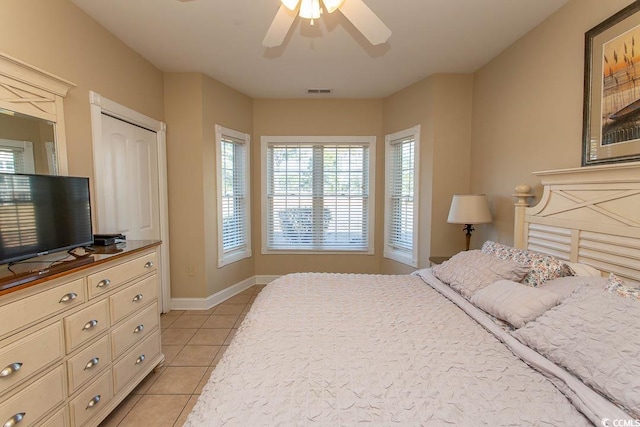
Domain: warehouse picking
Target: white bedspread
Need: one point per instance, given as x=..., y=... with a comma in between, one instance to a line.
x=328, y=349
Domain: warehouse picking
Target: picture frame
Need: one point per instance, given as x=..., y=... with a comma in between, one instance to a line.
x=611, y=115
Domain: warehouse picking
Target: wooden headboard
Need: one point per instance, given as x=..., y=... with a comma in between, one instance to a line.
x=589, y=215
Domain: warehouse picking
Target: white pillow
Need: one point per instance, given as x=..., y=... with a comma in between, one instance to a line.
x=514, y=302
x=583, y=270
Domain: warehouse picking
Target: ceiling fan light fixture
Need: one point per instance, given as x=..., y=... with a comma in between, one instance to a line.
x=310, y=9
x=332, y=5
x=290, y=4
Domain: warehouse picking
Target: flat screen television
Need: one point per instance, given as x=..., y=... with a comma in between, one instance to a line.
x=41, y=214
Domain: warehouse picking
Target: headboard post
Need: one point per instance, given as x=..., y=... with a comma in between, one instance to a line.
x=522, y=194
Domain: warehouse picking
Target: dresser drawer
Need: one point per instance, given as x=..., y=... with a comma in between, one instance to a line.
x=88, y=363
x=28, y=310
x=91, y=400
x=132, y=298
x=106, y=280
x=36, y=400
x=59, y=419
x=134, y=330
x=21, y=359
x=136, y=361
x=85, y=324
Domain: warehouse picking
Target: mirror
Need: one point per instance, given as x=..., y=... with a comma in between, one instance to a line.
x=32, y=133
x=27, y=144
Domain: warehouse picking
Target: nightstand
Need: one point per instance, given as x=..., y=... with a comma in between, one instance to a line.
x=435, y=260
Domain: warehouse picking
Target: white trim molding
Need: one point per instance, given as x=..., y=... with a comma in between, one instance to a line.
x=100, y=105
x=219, y=297
x=365, y=140
x=241, y=142
x=391, y=251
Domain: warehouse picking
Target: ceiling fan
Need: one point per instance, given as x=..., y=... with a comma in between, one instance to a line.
x=355, y=11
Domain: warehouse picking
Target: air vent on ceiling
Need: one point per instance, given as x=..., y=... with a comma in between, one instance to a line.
x=318, y=91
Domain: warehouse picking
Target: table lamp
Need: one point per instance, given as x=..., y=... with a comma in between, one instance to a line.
x=469, y=209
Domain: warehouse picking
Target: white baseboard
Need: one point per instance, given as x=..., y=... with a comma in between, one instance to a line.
x=265, y=280
x=218, y=297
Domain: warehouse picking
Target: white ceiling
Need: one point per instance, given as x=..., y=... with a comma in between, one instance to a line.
x=223, y=39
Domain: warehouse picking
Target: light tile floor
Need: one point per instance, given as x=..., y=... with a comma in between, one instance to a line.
x=192, y=342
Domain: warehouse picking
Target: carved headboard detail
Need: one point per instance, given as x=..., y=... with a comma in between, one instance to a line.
x=588, y=215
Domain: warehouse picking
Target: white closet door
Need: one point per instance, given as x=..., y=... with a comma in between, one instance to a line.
x=127, y=193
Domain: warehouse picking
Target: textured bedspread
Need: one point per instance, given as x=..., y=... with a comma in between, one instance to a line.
x=328, y=349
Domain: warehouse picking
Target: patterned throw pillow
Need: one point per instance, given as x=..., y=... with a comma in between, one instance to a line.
x=543, y=267
x=617, y=285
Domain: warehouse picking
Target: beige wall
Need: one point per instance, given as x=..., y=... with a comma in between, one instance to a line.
x=527, y=109
x=441, y=105
x=226, y=107
x=194, y=105
x=58, y=37
x=183, y=113
x=313, y=117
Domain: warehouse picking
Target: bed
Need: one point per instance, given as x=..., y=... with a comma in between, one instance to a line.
x=464, y=343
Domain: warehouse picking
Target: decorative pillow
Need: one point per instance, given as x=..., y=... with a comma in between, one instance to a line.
x=617, y=285
x=543, y=267
x=514, y=302
x=469, y=271
x=583, y=270
x=594, y=335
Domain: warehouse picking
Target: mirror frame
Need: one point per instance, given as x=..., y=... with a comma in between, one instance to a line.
x=31, y=91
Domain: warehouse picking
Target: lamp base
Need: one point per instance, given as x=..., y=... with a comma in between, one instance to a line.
x=468, y=229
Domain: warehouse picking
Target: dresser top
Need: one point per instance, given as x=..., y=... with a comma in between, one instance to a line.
x=33, y=271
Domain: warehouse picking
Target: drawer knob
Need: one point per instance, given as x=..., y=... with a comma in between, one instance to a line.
x=94, y=401
x=91, y=363
x=149, y=264
x=137, y=298
x=11, y=369
x=140, y=359
x=138, y=329
x=14, y=420
x=68, y=297
x=90, y=324
x=104, y=282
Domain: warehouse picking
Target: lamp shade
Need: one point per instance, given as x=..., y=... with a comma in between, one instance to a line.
x=469, y=209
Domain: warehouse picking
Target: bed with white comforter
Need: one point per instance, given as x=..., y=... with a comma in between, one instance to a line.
x=339, y=349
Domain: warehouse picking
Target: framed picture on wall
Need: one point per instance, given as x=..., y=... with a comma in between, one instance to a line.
x=611, y=120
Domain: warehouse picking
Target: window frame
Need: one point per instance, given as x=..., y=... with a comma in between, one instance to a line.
x=391, y=252
x=245, y=252
x=370, y=141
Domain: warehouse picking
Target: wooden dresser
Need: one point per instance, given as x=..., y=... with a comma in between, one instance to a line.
x=75, y=343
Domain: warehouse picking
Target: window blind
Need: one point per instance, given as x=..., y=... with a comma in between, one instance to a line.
x=401, y=193
x=234, y=194
x=317, y=196
x=401, y=196
x=17, y=214
x=11, y=160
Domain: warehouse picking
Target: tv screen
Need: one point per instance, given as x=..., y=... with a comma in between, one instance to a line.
x=40, y=214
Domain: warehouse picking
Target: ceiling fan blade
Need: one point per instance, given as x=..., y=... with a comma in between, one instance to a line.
x=365, y=21
x=279, y=27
